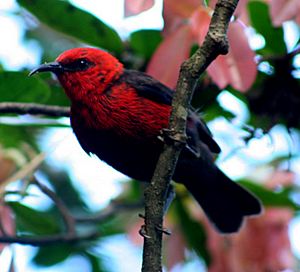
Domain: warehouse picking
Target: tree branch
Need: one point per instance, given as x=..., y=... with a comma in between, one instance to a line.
x=34, y=109
x=215, y=43
x=49, y=239
x=70, y=235
x=65, y=213
x=110, y=210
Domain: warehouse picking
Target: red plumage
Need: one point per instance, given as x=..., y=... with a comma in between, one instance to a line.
x=118, y=115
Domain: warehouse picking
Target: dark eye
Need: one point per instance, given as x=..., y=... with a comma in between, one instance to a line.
x=78, y=65
x=82, y=64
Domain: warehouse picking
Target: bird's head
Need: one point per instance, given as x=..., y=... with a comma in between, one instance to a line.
x=83, y=71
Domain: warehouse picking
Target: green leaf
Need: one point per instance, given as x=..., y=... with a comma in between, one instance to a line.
x=114, y=225
x=95, y=262
x=270, y=198
x=215, y=111
x=53, y=254
x=261, y=21
x=18, y=87
x=144, y=42
x=239, y=95
x=14, y=136
x=205, y=95
x=66, y=18
x=61, y=184
x=57, y=95
x=193, y=231
x=32, y=221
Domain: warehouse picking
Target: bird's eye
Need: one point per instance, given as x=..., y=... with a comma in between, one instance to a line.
x=83, y=64
x=78, y=65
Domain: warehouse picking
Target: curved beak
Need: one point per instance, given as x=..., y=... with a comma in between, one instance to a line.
x=54, y=67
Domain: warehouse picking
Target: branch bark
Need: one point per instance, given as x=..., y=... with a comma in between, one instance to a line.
x=215, y=43
x=34, y=109
x=50, y=239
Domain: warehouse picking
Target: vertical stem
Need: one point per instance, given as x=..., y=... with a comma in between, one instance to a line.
x=215, y=43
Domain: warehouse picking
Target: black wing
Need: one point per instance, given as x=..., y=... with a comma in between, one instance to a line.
x=150, y=88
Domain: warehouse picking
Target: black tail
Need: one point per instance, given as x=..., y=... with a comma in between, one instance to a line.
x=224, y=202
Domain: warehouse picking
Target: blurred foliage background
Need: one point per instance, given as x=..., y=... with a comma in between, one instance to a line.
x=257, y=127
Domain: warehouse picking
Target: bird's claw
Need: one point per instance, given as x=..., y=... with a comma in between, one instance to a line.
x=143, y=232
x=197, y=154
x=163, y=230
x=141, y=215
x=168, y=135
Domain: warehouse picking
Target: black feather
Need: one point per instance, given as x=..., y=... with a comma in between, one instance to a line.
x=152, y=89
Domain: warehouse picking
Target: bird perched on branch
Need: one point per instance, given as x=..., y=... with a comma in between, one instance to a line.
x=118, y=115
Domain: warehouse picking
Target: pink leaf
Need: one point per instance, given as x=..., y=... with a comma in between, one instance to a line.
x=6, y=221
x=238, y=67
x=284, y=10
x=175, y=249
x=180, y=8
x=241, y=11
x=165, y=62
x=281, y=178
x=133, y=232
x=134, y=7
x=262, y=244
x=176, y=11
x=200, y=20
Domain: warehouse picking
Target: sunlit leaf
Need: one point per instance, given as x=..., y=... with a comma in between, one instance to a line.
x=66, y=18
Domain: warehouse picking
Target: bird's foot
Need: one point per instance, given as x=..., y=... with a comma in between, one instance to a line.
x=172, y=136
x=143, y=232
x=163, y=230
x=197, y=154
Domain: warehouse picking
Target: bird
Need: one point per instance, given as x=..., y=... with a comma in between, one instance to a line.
x=118, y=115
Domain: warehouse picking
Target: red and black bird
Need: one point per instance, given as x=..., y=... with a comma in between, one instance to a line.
x=118, y=115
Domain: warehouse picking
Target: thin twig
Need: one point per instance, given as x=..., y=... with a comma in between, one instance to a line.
x=70, y=235
x=49, y=239
x=215, y=43
x=289, y=55
x=34, y=109
x=26, y=170
x=112, y=209
x=66, y=215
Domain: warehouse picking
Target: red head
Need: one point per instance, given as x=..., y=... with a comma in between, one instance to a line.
x=83, y=71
